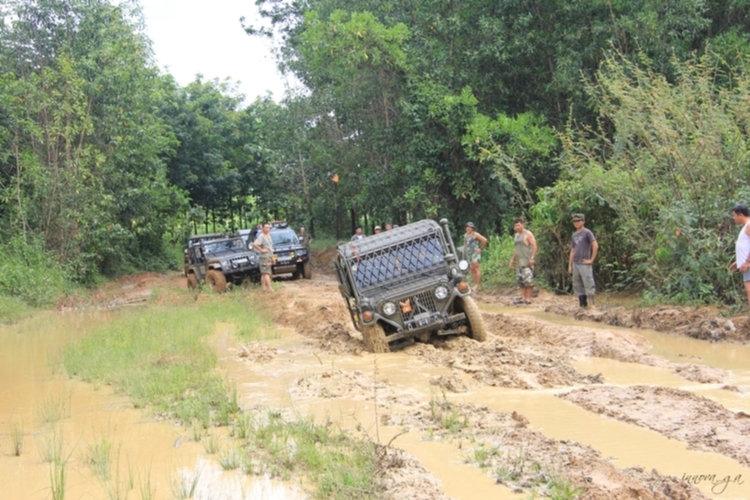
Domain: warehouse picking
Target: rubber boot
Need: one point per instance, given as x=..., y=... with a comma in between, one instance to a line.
x=590, y=299
x=582, y=301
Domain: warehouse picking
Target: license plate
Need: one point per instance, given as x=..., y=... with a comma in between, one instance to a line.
x=240, y=261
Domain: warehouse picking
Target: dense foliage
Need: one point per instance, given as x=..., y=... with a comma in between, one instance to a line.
x=632, y=112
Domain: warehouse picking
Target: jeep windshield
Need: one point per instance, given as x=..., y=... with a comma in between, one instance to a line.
x=233, y=245
x=284, y=237
x=397, y=261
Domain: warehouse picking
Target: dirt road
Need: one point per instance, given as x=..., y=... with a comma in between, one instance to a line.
x=540, y=407
x=555, y=403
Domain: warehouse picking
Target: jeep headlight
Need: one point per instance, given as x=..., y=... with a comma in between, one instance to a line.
x=463, y=265
x=441, y=292
x=389, y=308
x=224, y=264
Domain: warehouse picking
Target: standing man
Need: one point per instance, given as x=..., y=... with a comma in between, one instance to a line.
x=583, y=251
x=524, y=252
x=264, y=244
x=305, y=240
x=358, y=233
x=474, y=243
x=741, y=216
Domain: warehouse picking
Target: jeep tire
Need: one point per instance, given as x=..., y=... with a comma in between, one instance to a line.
x=306, y=270
x=192, y=282
x=216, y=281
x=374, y=337
x=476, y=324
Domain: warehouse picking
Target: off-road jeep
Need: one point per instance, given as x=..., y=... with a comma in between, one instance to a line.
x=220, y=262
x=407, y=284
x=194, y=240
x=289, y=255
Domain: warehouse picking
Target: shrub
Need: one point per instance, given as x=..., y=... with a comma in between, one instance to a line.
x=29, y=273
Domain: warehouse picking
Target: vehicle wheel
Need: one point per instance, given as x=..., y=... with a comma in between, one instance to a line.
x=216, y=281
x=307, y=270
x=192, y=282
x=375, y=338
x=474, y=316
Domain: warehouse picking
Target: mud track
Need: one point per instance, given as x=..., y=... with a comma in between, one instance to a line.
x=522, y=353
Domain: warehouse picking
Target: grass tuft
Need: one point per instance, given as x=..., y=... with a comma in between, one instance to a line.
x=16, y=438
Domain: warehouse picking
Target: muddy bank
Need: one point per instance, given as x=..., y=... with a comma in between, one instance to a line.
x=699, y=422
x=705, y=323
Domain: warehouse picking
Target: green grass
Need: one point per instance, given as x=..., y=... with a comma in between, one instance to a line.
x=16, y=437
x=50, y=446
x=158, y=357
x=54, y=408
x=58, y=479
x=98, y=457
x=339, y=466
x=13, y=309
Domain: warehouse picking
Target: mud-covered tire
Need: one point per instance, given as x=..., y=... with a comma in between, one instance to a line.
x=216, y=281
x=306, y=270
x=374, y=337
x=474, y=316
x=192, y=282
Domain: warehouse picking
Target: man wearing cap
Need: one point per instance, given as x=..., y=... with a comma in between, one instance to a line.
x=377, y=229
x=358, y=233
x=583, y=251
x=741, y=216
x=474, y=243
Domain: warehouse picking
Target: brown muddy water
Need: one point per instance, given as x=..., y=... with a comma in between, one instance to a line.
x=59, y=417
x=156, y=459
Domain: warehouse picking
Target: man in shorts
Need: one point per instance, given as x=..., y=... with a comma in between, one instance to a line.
x=524, y=252
x=583, y=250
x=741, y=216
x=264, y=245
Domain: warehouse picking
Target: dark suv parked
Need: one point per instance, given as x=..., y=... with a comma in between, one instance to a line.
x=407, y=284
x=220, y=262
x=290, y=256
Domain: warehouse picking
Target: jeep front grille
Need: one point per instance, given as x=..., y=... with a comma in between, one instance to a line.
x=421, y=303
x=423, y=310
x=397, y=261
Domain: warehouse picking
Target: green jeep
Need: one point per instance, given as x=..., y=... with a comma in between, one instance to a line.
x=407, y=284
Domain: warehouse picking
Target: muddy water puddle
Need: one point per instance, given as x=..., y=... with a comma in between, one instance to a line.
x=109, y=449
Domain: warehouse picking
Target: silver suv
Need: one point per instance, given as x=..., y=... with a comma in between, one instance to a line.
x=407, y=284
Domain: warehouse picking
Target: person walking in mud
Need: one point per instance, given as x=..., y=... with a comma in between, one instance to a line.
x=474, y=243
x=264, y=245
x=741, y=216
x=524, y=251
x=583, y=250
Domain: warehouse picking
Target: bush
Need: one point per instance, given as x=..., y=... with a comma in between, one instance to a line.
x=495, y=259
x=30, y=274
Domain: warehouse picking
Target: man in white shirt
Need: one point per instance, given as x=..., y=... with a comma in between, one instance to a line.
x=741, y=216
